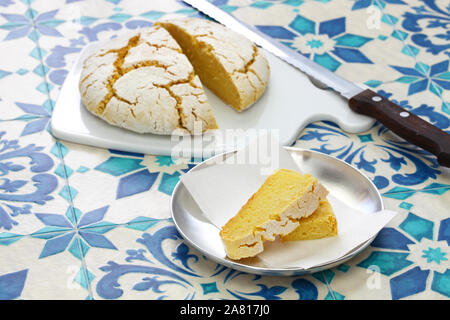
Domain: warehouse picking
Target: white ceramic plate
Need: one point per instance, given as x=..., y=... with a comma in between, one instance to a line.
x=290, y=102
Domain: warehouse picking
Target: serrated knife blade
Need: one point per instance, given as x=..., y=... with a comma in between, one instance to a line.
x=364, y=101
x=321, y=74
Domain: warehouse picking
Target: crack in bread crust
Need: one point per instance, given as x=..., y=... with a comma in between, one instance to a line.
x=178, y=107
x=90, y=74
x=245, y=71
x=249, y=63
x=167, y=87
x=118, y=72
x=137, y=52
x=161, y=47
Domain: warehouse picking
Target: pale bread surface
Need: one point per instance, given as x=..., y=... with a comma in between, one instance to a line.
x=241, y=58
x=143, y=82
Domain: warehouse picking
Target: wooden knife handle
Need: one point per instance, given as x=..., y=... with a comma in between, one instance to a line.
x=405, y=124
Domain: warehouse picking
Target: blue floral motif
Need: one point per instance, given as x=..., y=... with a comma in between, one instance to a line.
x=444, y=231
x=305, y=289
x=136, y=255
x=402, y=286
x=362, y=4
x=92, y=32
x=434, y=254
x=413, y=256
x=268, y=293
x=326, y=42
x=31, y=24
x=423, y=171
x=11, y=284
x=108, y=286
x=182, y=254
x=74, y=232
x=168, y=182
x=440, y=283
x=208, y=288
x=415, y=247
x=438, y=19
x=5, y=3
x=153, y=243
x=153, y=283
x=11, y=190
x=36, y=116
x=387, y=262
x=181, y=269
x=134, y=183
x=435, y=78
x=136, y=24
x=164, y=161
x=118, y=166
x=56, y=59
x=417, y=227
x=4, y=73
x=136, y=178
x=391, y=238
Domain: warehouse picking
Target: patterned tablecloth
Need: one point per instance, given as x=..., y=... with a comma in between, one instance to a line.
x=78, y=222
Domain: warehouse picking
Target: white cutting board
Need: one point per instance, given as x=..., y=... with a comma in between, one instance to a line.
x=290, y=102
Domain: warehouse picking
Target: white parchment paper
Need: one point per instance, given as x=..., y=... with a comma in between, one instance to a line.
x=220, y=190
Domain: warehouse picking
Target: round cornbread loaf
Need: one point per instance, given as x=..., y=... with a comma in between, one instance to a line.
x=143, y=82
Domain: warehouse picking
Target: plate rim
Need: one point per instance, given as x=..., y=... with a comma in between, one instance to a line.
x=289, y=271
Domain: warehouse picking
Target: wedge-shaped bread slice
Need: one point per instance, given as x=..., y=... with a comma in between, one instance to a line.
x=227, y=63
x=144, y=83
x=321, y=224
x=275, y=209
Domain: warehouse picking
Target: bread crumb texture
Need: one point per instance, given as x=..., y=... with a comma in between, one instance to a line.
x=227, y=63
x=144, y=83
x=321, y=224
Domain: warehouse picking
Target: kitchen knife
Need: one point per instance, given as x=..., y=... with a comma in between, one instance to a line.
x=363, y=101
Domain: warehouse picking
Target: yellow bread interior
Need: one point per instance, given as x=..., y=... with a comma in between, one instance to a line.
x=321, y=224
x=277, y=193
x=207, y=66
x=273, y=210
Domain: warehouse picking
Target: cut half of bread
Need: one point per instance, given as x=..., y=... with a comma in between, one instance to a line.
x=227, y=63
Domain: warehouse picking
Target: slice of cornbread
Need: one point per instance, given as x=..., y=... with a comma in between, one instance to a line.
x=227, y=63
x=275, y=209
x=321, y=224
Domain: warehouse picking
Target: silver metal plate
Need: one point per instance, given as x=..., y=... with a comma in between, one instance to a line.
x=341, y=179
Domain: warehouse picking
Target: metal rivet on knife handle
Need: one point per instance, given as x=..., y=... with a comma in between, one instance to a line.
x=405, y=124
x=376, y=98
